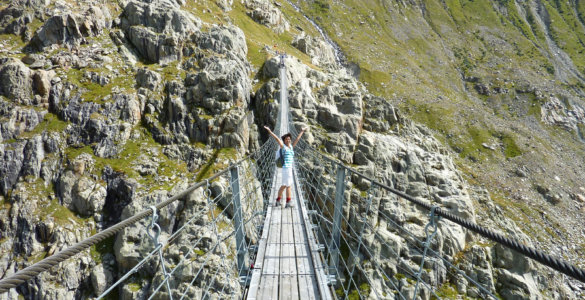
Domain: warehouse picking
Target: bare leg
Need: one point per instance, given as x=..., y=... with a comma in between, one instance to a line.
x=280, y=191
x=288, y=193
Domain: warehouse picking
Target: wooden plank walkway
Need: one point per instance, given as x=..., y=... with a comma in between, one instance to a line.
x=287, y=265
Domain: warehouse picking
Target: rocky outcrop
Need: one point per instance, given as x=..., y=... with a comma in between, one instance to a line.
x=17, y=120
x=321, y=53
x=78, y=192
x=569, y=114
x=226, y=5
x=226, y=40
x=14, y=20
x=71, y=29
x=148, y=79
x=265, y=13
x=157, y=29
x=15, y=81
x=107, y=127
x=22, y=85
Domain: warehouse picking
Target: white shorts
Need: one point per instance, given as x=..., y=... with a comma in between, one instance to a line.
x=287, y=176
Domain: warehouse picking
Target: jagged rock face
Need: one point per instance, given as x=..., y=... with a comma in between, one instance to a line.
x=52, y=196
x=265, y=13
x=16, y=81
x=107, y=126
x=200, y=108
x=158, y=29
x=321, y=53
x=227, y=40
x=71, y=29
x=568, y=115
x=17, y=120
x=13, y=20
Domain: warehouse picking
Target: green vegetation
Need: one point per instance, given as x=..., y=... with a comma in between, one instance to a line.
x=364, y=290
x=567, y=31
x=125, y=161
x=36, y=257
x=134, y=287
x=511, y=149
x=98, y=250
x=94, y=92
x=448, y=291
x=51, y=123
x=216, y=162
x=259, y=36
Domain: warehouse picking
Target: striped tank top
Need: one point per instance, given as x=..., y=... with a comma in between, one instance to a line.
x=289, y=153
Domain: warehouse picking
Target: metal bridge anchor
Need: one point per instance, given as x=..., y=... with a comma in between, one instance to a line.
x=156, y=228
x=337, y=214
x=242, y=249
x=434, y=219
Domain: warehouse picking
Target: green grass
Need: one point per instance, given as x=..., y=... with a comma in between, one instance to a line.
x=98, y=250
x=258, y=36
x=448, y=291
x=511, y=149
x=216, y=163
x=125, y=161
x=93, y=92
x=567, y=32
x=134, y=287
x=50, y=123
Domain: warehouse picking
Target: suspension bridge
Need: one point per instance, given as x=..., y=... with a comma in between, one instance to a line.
x=231, y=241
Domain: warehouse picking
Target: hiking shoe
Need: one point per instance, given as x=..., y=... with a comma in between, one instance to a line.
x=289, y=204
x=277, y=203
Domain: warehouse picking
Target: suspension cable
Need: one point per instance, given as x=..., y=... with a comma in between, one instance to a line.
x=49, y=262
x=543, y=258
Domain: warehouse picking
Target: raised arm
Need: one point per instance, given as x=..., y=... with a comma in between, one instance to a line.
x=299, y=136
x=275, y=137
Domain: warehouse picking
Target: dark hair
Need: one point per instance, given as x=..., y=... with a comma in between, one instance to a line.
x=285, y=136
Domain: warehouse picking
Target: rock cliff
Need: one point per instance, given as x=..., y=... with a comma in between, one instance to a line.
x=107, y=107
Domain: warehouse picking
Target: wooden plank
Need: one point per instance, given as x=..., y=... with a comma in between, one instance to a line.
x=269, y=287
x=309, y=287
x=320, y=277
x=287, y=228
x=288, y=265
x=289, y=288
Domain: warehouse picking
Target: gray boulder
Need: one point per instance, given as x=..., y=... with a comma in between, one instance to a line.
x=14, y=20
x=157, y=29
x=11, y=161
x=81, y=194
x=265, y=13
x=71, y=29
x=17, y=119
x=15, y=81
x=226, y=5
x=568, y=114
x=148, y=79
x=380, y=115
x=220, y=85
x=227, y=40
x=321, y=53
x=101, y=278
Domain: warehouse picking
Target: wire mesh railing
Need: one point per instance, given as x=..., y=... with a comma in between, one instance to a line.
x=377, y=247
x=203, y=251
x=208, y=254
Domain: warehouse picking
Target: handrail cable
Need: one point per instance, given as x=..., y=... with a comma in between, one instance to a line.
x=49, y=262
x=543, y=258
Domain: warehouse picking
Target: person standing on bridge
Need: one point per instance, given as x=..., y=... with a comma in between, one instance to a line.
x=287, y=176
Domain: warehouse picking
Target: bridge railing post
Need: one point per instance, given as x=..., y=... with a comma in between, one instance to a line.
x=337, y=214
x=242, y=250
